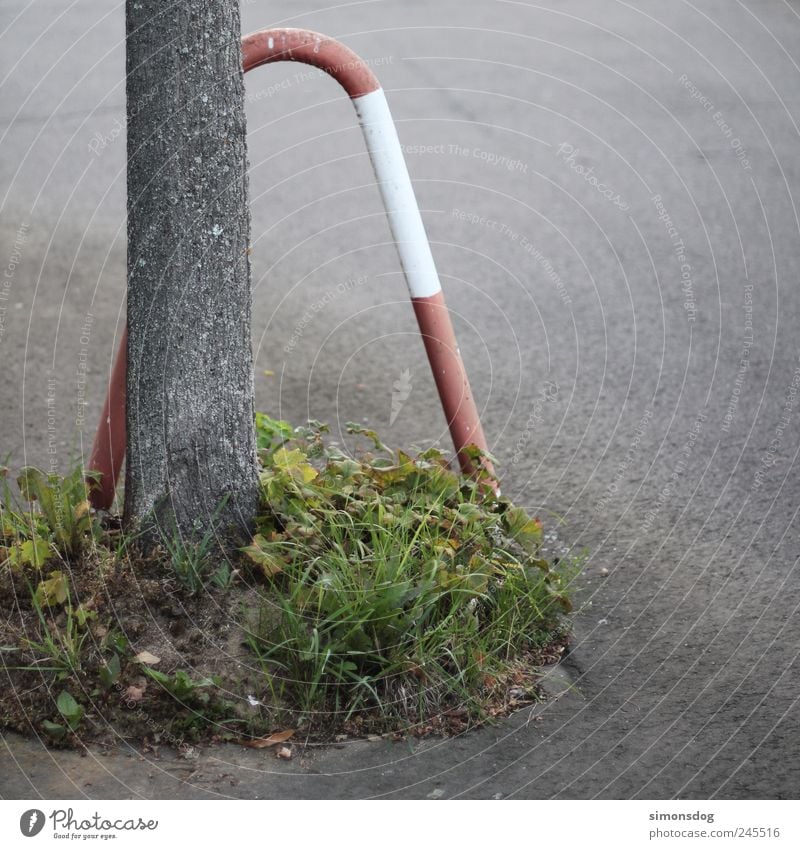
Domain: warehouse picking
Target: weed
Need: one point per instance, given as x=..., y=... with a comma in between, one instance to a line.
x=70, y=710
x=393, y=590
x=61, y=648
x=71, y=713
x=397, y=585
x=200, y=705
x=271, y=433
x=198, y=565
x=109, y=672
x=58, y=519
x=180, y=685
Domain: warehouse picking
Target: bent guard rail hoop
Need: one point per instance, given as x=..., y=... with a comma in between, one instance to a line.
x=408, y=231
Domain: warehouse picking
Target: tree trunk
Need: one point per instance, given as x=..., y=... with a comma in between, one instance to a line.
x=191, y=457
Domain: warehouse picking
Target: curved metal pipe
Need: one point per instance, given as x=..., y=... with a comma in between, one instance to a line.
x=405, y=222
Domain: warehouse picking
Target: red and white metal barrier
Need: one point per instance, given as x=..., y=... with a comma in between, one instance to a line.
x=405, y=222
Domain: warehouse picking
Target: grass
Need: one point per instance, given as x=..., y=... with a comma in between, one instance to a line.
x=396, y=586
x=197, y=565
x=60, y=650
x=382, y=592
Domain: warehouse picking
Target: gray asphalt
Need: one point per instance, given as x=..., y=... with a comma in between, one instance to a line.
x=610, y=193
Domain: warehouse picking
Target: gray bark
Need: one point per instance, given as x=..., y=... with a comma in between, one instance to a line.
x=191, y=441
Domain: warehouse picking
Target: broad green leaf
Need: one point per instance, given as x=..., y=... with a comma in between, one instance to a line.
x=355, y=428
x=469, y=511
x=82, y=615
x=30, y=482
x=526, y=531
x=69, y=709
x=54, y=730
x=294, y=463
x=160, y=677
x=271, y=433
x=269, y=563
x=109, y=671
x=53, y=590
x=32, y=552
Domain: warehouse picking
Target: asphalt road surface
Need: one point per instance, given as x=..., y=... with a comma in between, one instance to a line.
x=610, y=189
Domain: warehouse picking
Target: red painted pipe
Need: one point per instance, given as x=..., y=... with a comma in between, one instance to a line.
x=380, y=135
x=310, y=48
x=108, y=451
x=448, y=370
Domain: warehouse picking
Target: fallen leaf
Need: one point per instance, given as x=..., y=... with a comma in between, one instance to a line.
x=456, y=713
x=134, y=694
x=285, y=753
x=272, y=740
x=148, y=658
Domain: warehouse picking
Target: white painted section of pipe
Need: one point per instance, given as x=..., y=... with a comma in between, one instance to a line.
x=395, y=186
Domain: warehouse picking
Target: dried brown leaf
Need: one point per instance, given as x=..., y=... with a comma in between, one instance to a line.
x=134, y=694
x=272, y=740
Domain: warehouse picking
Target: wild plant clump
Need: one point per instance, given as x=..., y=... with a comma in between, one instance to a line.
x=396, y=585
x=381, y=592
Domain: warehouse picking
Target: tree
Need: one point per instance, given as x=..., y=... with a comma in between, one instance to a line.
x=191, y=454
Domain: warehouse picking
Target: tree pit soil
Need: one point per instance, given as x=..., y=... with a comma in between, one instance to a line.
x=204, y=635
